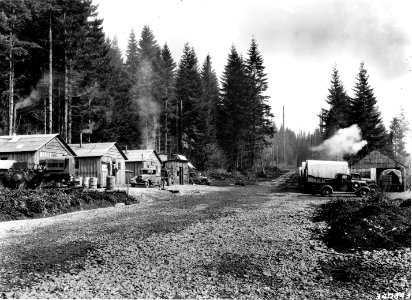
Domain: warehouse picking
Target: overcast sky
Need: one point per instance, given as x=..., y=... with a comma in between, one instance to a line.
x=300, y=42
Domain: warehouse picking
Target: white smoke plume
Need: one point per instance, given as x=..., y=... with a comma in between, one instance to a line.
x=30, y=100
x=148, y=108
x=345, y=141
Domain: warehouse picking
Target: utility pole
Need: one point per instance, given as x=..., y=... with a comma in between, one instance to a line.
x=50, y=76
x=284, y=138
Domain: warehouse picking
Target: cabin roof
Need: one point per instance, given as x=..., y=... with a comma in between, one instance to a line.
x=29, y=143
x=95, y=149
x=140, y=155
x=374, y=152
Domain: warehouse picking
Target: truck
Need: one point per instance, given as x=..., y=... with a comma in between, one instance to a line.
x=48, y=172
x=147, y=178
x=329, y=177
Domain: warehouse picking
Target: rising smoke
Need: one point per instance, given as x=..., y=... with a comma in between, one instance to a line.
x=30, y=100
x=148, y=108
x=345, y=141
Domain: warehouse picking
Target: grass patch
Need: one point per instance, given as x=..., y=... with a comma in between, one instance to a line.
x=368, y=224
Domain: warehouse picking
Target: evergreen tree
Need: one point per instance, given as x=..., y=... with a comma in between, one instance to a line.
x=338, y=114
x=260, y=116
x=167, y=94
x=364, y=112
x=399, y=129
x=232, y=110
x=207, y=115
x=132, y=55
x=188, y=93
x=146, y=90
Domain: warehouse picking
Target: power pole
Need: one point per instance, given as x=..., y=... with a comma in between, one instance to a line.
x=284, y=138
x=50, y=76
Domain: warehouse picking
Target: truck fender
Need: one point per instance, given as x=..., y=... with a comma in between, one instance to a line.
x=326, y=190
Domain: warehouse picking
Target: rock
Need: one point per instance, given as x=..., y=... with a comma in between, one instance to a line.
x=120, y=205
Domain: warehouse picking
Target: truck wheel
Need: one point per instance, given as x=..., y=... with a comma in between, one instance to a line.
x=326, y=192
x=147, y=184
x=362, y=193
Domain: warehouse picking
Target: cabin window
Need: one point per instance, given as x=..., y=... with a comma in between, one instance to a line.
x=76, y=163
x=154, y=172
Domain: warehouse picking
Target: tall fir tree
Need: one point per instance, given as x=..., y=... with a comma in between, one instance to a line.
x=167, y=95
x=365, y=113
x=188, y=93
x=132, y=55
x=207, y=115
x=232, y=111
x=260, y=116
x=338, y=114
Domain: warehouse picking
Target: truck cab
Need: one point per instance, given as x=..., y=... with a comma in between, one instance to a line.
x=147, y=177
x=343, y=183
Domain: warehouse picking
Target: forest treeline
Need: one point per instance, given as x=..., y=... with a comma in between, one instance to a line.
x=60, y=74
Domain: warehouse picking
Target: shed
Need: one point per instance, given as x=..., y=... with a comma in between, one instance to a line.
x=178, y=167
x=142, y=159
x=377, y=166
x=33, y=148
x=100, y=160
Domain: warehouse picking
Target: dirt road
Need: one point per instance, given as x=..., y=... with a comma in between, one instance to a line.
x=209, y=242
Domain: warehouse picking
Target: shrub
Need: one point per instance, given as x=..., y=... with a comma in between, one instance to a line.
x=373, y=223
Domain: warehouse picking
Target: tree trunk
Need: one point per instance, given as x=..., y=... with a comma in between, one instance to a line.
x=69, y=114
x=50, y=110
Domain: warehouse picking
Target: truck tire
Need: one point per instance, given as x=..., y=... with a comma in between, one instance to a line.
x=326, y=192
x=147, y=184
x=362, y=193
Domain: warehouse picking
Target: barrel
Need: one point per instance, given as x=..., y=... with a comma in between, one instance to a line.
x=110, y=180
x=93, y=183
x=86, y=181
x=77, y=181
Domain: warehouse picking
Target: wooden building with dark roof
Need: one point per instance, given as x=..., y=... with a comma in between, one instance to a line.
x=142, y=159
x=100, y=160
x=33, y=148
x=389, y=173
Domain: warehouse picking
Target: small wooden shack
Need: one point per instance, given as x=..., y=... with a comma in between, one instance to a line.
x=33, y=148
x=142, y=159
x=100, y=160
x=178, y=167
x=389, y=173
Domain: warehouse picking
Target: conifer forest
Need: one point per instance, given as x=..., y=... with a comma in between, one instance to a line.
x=61, y=74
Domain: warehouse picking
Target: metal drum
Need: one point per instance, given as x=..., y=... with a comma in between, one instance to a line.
x=93, y=183
x=86, y=181
x=78, y=181
x=110, y=182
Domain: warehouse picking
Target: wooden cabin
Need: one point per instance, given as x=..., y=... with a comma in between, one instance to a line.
x=100, y=160
x=141, y=159
x=389, y=173
x=33, y=148
x=178, y=167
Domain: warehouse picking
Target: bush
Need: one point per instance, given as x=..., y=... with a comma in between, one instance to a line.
x=18, y=204
x=373, y=223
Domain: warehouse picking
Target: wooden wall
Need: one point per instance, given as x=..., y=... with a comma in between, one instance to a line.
x=174, y=166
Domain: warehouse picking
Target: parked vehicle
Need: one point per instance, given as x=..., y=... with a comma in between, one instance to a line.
x=195, y=178
x=50, y=171
x=147, y=178
x=373, y=186
x=328, y=177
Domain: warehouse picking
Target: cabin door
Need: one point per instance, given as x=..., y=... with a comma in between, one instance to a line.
x=105, y=172
x=180, y=175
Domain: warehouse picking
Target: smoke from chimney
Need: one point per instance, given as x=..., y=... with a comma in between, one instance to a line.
x=345, y=141
x=30, y=100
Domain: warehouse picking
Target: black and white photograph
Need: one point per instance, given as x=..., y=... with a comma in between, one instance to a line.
x=205, y=149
